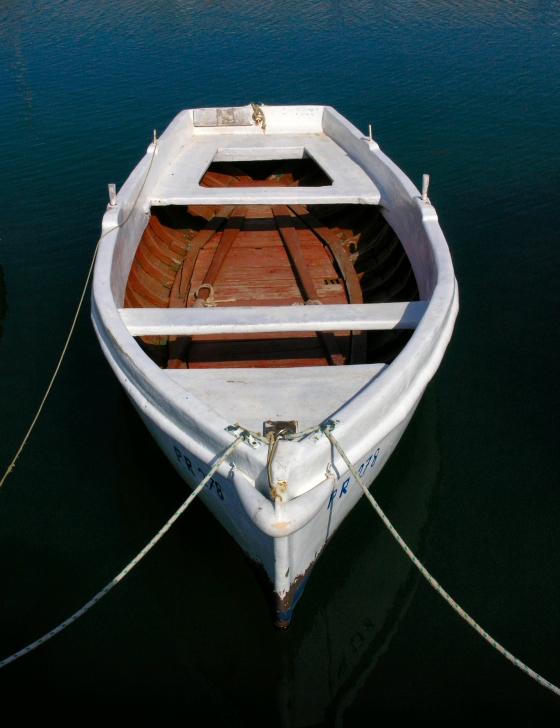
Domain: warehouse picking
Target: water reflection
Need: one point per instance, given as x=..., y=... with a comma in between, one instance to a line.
x=355, y=599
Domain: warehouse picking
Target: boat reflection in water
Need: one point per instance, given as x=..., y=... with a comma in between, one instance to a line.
x=366, y=584
x=361, y=589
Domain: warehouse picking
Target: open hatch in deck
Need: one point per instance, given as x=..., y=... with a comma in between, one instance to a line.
x=180, y=185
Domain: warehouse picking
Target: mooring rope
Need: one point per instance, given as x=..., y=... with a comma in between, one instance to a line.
x=327, y=429
x=73, y=326
x=128, y=568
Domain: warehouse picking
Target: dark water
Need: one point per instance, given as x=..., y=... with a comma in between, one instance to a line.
x=465, y=90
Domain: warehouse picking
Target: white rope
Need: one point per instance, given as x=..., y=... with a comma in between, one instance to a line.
x=132, y=564
x=73, y=326
x=426, y=574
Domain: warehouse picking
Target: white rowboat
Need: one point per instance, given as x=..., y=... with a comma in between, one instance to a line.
x=232, y=222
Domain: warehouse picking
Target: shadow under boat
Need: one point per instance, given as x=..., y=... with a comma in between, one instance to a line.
x=360, y=591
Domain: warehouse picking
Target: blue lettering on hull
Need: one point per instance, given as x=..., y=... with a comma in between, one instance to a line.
x=211, y=484
x=370, y=462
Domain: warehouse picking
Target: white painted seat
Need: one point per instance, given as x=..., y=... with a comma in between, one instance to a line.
x=260, y=319
x=180, y=183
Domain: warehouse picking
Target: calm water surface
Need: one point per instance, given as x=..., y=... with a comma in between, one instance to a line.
x=467, y=90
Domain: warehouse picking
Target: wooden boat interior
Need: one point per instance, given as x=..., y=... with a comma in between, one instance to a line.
x=279, y=255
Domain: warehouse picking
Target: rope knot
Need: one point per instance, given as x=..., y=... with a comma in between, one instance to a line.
x=258, y=116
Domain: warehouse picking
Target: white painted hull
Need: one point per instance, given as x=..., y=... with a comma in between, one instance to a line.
x=285, y=539
x=278, y=556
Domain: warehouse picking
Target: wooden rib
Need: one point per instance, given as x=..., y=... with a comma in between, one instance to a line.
x=231, y=231
x=346, y=268
x=178, y=346
x=347, y=271
x=133, y=299
x=285, y=222
x=179, y=291
x=391, y=270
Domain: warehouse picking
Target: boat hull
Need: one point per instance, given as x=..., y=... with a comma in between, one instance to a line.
x=288, y=560
x=285, y=535
x=285, y=560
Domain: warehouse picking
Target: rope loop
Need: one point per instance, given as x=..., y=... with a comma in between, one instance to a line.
x=209, y=302
x=279, y=487
x=258, y=116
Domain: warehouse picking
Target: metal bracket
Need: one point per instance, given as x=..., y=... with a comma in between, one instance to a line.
x=236, y=430
x=112, y=196
x=425, y=185
x=276, y=426
x=329, y=424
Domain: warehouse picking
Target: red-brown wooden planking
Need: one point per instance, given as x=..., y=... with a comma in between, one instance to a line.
x=204, y=211
x=352, y=284
x=227, y=240
x=262, y=212
x=132, y=299
x=175, y=239
x=159, y=285
x=153, y=265
x=256, y=271
x=159, y=248
x=318, y=360
x=154, y=299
